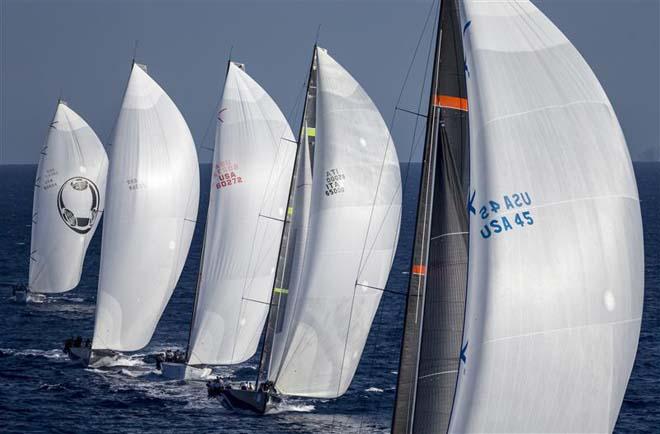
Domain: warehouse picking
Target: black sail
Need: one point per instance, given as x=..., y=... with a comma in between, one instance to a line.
x=433, y=330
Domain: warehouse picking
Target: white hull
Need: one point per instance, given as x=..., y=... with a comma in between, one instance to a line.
x=180, y=371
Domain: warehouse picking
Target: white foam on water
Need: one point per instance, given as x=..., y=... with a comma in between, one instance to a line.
x=36, y=298
x=55, y=354
x=290, y=408
x=134, y=374
x=374, y=389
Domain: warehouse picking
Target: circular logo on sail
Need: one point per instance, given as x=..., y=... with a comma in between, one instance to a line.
x=78, y=203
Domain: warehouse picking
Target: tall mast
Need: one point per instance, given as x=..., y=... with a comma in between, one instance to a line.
x=201, y=258
x=278, y=296
x=431, y=350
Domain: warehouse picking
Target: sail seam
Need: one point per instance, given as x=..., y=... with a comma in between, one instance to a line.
x=542, y=109
x=563, y=329
x=437, y=373
x=448, y=235
x=581, y=199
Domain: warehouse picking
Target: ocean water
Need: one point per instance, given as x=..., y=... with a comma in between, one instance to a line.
x=42, y=391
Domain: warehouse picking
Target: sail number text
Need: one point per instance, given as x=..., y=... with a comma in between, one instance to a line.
x=226, y=173
x=334, y=181
x=495, y=223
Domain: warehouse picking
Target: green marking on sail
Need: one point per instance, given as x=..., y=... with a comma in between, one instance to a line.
x=290, y=211
x=281, y=291
x=311, y=132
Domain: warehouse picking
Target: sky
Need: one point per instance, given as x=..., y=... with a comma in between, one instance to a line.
x=82, y=50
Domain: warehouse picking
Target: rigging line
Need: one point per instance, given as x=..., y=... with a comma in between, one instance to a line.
x=423, y=138
x=271, y=218
x=413, y=148
x=301, y=158
x=410, y=111
x=360, y=267
x=268, y=187
x=266, y=190
x=389, y=291
x=248, y=283
x=254, y=301
x=214, y=108
x=279, y=148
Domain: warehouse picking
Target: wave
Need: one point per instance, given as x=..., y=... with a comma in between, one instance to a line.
x=55, y=354
x=374, y=389
x=285, y=407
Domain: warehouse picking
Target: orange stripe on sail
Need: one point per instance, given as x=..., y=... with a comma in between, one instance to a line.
x=419, y=270
x=451, y=102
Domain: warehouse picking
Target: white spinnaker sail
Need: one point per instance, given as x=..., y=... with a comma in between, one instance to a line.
x=554, y=307
x=153, y=194
x=356, y=202
x=252, y=167
x=69, y=195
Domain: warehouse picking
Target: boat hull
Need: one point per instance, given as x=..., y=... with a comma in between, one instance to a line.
x=181, y=371
x=251, y=401
x=21, y=297
x=92, y=359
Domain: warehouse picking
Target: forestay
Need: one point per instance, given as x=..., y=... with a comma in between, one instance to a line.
x=556, y=269
x=69, y=194
x=353, y=230
x=252, y=167
x=153, y=194
x=287, y=290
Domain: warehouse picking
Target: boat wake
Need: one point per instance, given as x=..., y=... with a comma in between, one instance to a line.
x=286, y=407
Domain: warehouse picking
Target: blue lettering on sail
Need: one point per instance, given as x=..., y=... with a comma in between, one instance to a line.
x=513, y=205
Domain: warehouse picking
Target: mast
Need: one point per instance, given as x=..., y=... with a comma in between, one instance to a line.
x=279, y=294
x=431, y=350
x=201, y=258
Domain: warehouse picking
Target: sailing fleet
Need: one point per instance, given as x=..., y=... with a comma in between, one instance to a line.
x=524, y=304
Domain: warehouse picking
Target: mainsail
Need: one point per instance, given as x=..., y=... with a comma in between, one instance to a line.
x=352, y=232
x=69, y=194
x=153, y=194
x=252, y=166
x=554, y=287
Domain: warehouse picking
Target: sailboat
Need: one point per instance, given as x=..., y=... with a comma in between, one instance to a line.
x=69, y=194
x=252, y=168
x=527, y=282
x=150, y=215
x=337, y=247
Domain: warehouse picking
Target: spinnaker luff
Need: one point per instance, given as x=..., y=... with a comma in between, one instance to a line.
x=526, y=290
x=153, y=194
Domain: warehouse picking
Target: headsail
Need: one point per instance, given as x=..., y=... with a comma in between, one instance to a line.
x=353, y=230
x=252, y=166
x=556, y=266
x=69, y=195
x=153, y=194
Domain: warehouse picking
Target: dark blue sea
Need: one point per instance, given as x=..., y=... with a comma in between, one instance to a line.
x=42, y=391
